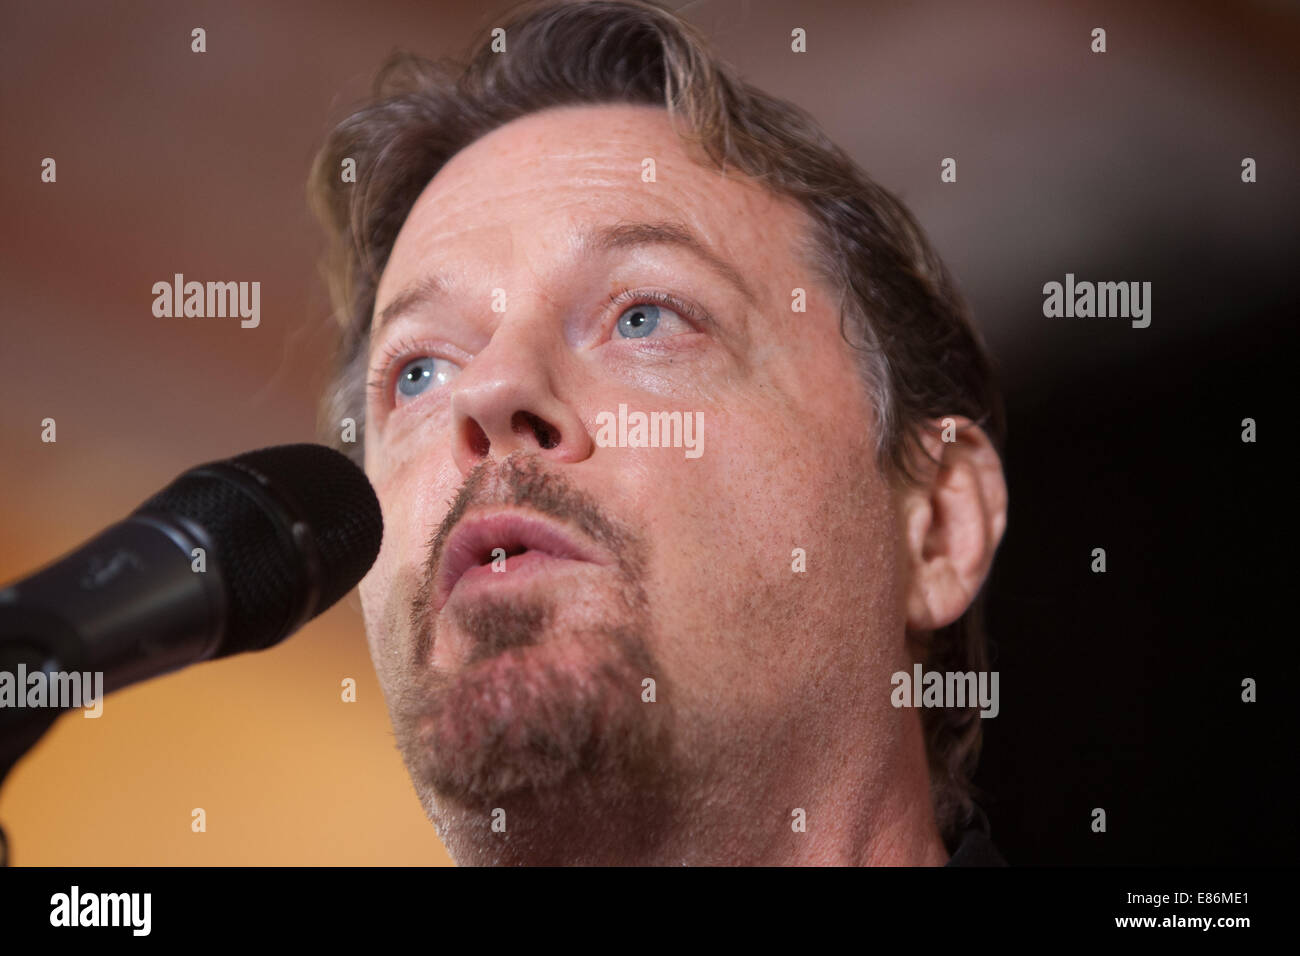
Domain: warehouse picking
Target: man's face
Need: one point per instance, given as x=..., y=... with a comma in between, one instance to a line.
x=491, y=412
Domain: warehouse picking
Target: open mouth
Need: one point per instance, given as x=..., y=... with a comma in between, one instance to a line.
x=516, y=541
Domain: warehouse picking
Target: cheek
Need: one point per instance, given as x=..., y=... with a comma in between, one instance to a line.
x=385, y=605
x=413, y=502
x=372, y=588
x=790, y=457
x=787, y=465
x=776, y=484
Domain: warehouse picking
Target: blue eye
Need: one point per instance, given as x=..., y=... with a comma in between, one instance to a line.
x=650, y=312
x=416, y=376
x=638, y=321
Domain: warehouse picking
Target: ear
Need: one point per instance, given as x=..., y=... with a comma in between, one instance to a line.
x=953, y=522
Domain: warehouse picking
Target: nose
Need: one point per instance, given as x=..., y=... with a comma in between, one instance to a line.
x=504, y=401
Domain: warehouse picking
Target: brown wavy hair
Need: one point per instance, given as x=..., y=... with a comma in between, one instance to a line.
x=921, y=357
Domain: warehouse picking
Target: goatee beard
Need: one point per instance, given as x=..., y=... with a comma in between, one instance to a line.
x=541, y=704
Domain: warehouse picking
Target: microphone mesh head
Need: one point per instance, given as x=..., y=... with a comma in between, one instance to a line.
x=266, y=577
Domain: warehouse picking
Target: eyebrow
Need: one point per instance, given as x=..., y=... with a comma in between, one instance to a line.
x=624, y=235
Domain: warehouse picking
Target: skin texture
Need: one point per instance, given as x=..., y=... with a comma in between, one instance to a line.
x=522, y=699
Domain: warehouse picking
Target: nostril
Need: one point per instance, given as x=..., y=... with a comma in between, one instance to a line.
x=548, y=436
x=478, y=440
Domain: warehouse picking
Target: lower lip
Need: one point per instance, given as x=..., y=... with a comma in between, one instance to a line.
x=519, y=568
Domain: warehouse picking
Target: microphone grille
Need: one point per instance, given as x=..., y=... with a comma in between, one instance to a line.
x=334, y=497
x=250, y=530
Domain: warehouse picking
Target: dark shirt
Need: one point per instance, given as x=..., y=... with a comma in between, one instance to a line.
x=975, y=846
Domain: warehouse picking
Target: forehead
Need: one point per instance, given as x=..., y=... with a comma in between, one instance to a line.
x=518, y=189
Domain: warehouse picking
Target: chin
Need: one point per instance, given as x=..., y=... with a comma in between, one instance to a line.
x=531, y=720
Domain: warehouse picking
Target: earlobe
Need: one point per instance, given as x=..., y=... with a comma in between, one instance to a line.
x=953, y=522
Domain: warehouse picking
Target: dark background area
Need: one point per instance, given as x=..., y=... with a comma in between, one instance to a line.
x=1123, y=690
x=1118, y=690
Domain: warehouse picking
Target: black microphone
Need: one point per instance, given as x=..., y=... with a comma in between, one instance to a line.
x=232, y=556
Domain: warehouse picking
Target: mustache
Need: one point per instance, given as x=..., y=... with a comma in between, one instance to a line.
x=520, y=480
